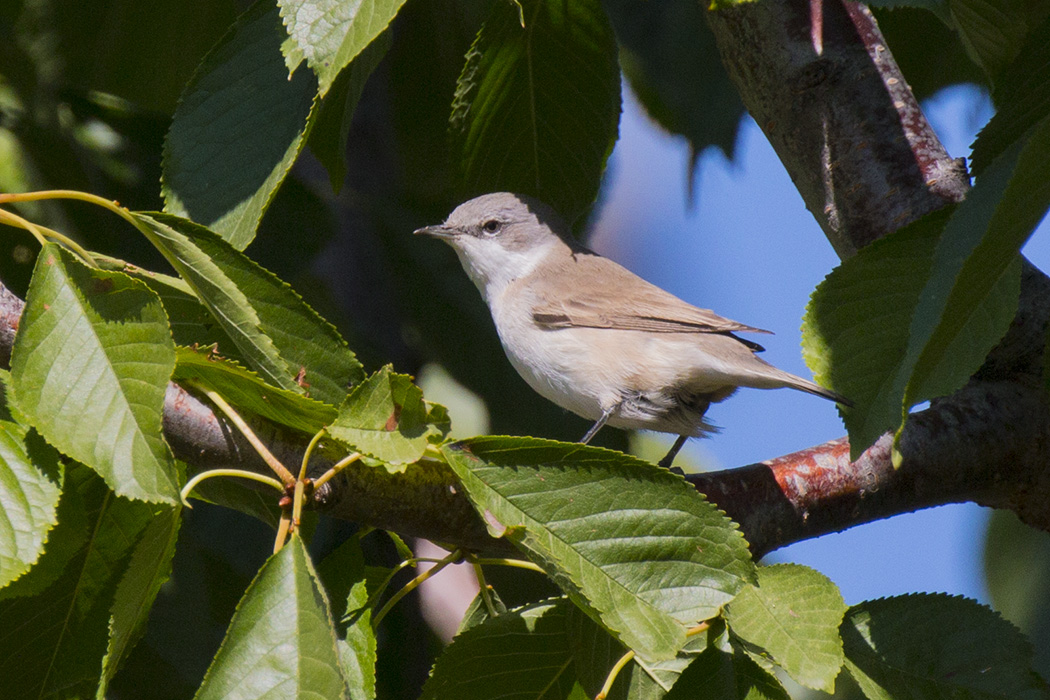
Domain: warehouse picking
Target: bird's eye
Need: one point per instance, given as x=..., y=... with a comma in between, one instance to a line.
x=492, y=227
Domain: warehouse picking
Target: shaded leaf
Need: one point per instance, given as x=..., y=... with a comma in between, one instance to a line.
x=793, y=616
x=526, y=650
x=54, y=621
x=634, y=545
x=244, y=389
x=717, y=675
x=937, y=646
x=537, y=104
x=385, y=417
x=281, y=639
x=971, y=297
x=330, y=34
x=277, y=333
x=992, y=31
x=1022, y=94
x=344, y=576
x=329, y=136
x=147, y=570
x=679, y=79
x=239, y=126
x=90, y=366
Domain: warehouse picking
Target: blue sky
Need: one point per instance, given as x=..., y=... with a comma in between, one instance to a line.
x=747, y=247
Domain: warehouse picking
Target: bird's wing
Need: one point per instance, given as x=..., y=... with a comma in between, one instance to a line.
x=639, y=306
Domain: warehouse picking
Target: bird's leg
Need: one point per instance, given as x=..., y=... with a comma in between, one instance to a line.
x=669, y=457
x=606, y=415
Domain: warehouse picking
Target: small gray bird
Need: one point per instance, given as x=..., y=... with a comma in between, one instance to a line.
x=593, y=337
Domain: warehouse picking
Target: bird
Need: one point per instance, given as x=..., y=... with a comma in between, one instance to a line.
x=593, y=337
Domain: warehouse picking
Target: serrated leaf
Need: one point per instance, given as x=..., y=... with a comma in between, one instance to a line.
x=793, y=615
x=239, y=126
x=954, y=291
x=330, y=34
x=90, y=366
x=855, y=329
x=385, y=417
x=526, y=650
x=991, y=30
x=281, y=639
x=244, y=389
x=278, y=334
x=477, y=612
x=596, y=652
x=538, y=103
x=345, y=578
x=53, y=628
x=937, y=646
x=1022, y=94
x=717, y=675
x=189, y=320
x=971, y=297
x=631, y=543
x=331, y=131
x=148, y=569
x=31, y=479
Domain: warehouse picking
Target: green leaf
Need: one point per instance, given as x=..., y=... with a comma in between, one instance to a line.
x=329, y=34
x=239, y=126
x=190, y=321
x=793, y=616
x=992, y=31
x=1022, y=94
x=385, y=417
x=937, y=646
x=277, y=333
x=717, y=675
x=596, y=652
x=344, y=576
x=1017, y=578
x=855, y=330
x=537, y=106
x=913, y=315
x=148, y=568
x=328, y=138
x=477, y=612
x=30, y=485
x=90, y=366
x=633, y=544
x=281, y=639
x=244, y=389
x=54, y=621
x=679, y=79
x=525, y=650
x=971, y=297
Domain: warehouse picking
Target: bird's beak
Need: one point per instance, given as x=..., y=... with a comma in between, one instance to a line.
x=437, y=231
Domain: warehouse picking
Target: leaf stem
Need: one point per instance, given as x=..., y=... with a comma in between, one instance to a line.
x=192, y=483
x=275, y=464
x=310, y=450
x=611, y=678
x=517, y=563
x=282, y=531
x=415, y=583
x=336, y=468
x=483, y=589
x=43, y=233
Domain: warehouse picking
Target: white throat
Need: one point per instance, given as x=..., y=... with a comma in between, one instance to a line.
x=493, y=268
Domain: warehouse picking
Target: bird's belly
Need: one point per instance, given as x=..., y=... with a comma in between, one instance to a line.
x=559, y=366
